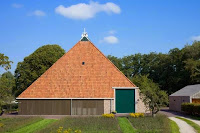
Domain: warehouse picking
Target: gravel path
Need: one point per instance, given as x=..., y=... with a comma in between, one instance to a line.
x=184, y=127
x=169, y=113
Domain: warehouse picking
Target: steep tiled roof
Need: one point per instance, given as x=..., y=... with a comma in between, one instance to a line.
x=83, y=72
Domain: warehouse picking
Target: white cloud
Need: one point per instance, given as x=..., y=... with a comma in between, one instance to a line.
x=17, y=5
x=86, y=11
x=195, y=38
x=37, y=13
x=110, y=39
x=111, y=32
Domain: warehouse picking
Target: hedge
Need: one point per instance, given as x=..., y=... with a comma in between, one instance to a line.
x=191, y=108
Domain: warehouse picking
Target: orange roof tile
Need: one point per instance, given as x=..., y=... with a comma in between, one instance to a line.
x=68, y=78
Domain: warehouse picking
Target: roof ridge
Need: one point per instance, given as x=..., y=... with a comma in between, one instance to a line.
x=113, y=64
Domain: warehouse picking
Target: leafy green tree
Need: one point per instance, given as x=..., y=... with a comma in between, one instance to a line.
x=193, y=66
x=192, y=51
x=116, y=61
x=168, y=71
x=165, y=69
x=35, y=65
x=152, y=96
x=191, y=55
x=132, y=65
x=7, y=82
x=5, y=62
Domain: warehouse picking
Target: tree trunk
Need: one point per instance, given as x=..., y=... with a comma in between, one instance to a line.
x=1, y=111
x=153, y=114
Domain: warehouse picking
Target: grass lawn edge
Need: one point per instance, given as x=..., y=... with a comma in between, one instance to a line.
x=125, y=125
x=35, y=126
x=174, y=127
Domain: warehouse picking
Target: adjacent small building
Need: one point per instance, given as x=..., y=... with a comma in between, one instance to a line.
x=81, y=82
x=189, y=94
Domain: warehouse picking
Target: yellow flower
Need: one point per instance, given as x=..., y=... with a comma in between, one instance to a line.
x=136, y=115
x=77, y=131
x=108, y=115
x=60, y=130
x=66, y=131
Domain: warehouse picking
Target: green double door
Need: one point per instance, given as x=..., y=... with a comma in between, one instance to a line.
x=125, y=100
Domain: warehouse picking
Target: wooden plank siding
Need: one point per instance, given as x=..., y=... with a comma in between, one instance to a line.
x=44, y=107
x=61, y=107
x=195, y=100
x=87, y=107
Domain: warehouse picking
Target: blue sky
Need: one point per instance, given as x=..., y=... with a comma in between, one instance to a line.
x=117, y=28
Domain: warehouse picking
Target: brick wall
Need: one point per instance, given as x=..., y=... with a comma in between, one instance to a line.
x=108, y=106
x=140, y=107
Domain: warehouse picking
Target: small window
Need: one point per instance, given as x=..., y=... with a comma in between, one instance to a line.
x=174, y=100
x=83, y=63
x=183, y=100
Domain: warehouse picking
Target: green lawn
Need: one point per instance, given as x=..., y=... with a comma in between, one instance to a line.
x=158, y=124
x=194, y=125
x=12, y=124
x=174, y=127
x=125, y=125
x=35, y=126
x=85, y=124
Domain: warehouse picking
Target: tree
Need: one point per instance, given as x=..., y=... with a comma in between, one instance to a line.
x=193, y=66
x=7, y=82
x=152, y=96
x=5, y=62
x=116, y=61
x=172, y=71
x=35, y=65
x=191, y=55
x=132, y=65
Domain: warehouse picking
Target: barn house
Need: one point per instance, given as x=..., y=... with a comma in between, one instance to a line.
x=82, y=82
x=189, y=94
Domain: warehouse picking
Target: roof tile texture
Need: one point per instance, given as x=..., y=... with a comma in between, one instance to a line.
x=68, y=78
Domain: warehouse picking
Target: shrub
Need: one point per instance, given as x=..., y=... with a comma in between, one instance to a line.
x=191, y=108
x=136, y=115
x=108, y=115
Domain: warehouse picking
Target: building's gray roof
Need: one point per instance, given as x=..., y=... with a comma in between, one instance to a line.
x=187, y=91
